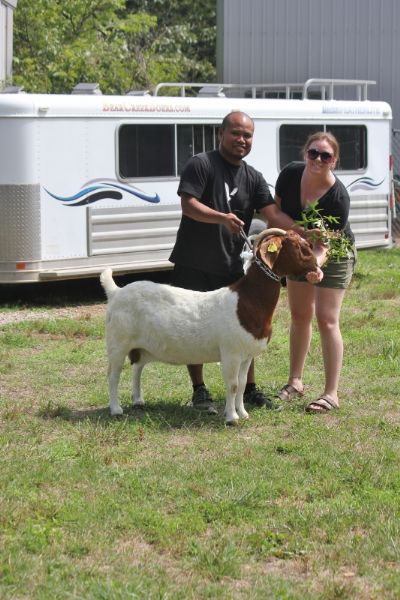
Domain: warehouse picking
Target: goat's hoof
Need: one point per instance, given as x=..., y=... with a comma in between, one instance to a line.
x=138, y=405
x=232, y=419
x=243, y=414
x=115, y=412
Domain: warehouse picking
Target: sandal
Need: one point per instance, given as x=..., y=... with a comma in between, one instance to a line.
x=289, y=392
x=323, y=404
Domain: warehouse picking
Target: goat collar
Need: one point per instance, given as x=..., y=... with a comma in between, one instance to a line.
x=265, y=269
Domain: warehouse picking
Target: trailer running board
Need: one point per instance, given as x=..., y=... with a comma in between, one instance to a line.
x=75, y=273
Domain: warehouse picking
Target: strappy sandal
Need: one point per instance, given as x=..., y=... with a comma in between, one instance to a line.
x=323, y=404
x=289, y=392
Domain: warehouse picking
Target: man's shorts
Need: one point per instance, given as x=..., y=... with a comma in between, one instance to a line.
x=337, y=274
x=200, y=281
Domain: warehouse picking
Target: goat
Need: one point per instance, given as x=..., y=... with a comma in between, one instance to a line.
x=157, y=322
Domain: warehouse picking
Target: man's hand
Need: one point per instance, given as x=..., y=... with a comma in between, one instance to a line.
x=196, y=210
x=232, y=222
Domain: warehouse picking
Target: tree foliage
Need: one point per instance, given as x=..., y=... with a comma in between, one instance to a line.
x=186, y=32
x=121, y=44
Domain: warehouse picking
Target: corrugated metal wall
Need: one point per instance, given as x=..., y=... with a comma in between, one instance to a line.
x=6, y=31
x=277, y=41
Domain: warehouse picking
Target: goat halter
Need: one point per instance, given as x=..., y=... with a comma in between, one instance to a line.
x=265, y=269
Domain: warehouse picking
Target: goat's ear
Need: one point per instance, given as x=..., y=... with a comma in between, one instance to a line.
x=269, y=249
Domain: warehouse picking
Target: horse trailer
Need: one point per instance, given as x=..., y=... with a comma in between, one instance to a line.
x=89, y=180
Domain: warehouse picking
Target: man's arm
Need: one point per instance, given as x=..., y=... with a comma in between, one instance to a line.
x=196, y=210
x=275, y=217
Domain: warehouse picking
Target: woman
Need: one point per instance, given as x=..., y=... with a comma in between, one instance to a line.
x=299, y=185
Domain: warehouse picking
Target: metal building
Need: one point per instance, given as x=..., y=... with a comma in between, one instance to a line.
x=6, y=39
x=279, y=41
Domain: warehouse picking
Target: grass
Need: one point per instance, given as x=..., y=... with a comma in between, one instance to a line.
x=169, y=504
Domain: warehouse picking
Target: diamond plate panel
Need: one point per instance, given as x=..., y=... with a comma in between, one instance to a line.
x=20, y=223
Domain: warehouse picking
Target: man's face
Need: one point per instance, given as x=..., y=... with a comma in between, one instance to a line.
x=236, y=139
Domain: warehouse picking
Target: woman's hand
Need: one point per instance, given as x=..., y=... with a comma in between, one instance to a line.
x=313, y=235
x=315, y=276
x=320, y=251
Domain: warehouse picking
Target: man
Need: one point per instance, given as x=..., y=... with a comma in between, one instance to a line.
x=219, y=193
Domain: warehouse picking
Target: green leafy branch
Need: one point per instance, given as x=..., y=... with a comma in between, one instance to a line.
x=338, y=244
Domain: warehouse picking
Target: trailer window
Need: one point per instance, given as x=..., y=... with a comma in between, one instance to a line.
x=353, y=146
x=161, y=150
x=291, y=141
x=352, y=141
x=193, y=139
x=146, y=151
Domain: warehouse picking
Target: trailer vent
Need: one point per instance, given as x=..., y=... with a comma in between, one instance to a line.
x=138, y=93
x=211, y=91
x=13, y=89
x=87, y=88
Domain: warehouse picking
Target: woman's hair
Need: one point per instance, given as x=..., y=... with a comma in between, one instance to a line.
x=326, y=136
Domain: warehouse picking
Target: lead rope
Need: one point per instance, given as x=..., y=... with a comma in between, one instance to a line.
x=251, y=255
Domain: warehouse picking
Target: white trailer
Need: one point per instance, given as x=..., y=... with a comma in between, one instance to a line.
x=88, y=181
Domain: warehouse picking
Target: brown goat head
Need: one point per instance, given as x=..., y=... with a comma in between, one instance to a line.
x=287, y=254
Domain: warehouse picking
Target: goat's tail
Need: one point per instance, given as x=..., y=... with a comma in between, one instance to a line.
x=108, y=283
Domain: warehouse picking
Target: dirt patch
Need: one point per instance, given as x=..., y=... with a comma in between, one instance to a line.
x=76, y=312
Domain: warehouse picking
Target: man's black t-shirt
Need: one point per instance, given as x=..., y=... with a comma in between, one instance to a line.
x=335, y=203
x=226, y=188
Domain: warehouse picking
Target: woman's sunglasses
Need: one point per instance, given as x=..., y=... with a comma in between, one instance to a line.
x=313, y=154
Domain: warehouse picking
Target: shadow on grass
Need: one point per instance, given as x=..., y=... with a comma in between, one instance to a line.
x=68, y=292
x=156, y=415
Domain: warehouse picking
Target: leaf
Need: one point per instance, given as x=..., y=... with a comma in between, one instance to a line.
x=338, y=244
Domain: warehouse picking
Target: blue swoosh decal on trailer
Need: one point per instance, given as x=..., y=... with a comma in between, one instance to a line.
x=103, y=189
x=364, y=183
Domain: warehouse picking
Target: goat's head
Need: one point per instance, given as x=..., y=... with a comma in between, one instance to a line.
x=285, y=252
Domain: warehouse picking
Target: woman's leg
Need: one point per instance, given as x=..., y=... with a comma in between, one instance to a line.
x=327, y=308
x=301, y=298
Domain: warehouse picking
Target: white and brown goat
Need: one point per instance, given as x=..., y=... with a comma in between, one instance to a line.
x=157, y=322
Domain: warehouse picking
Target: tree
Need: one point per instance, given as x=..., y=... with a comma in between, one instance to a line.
x=121, y=45
x=185, y=33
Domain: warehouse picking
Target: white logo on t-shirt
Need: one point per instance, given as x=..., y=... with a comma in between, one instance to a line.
x=229, y=195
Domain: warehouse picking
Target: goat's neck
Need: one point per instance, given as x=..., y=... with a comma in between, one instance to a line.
x=258, y=297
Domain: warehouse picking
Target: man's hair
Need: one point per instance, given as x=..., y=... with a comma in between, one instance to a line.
x=227, y=119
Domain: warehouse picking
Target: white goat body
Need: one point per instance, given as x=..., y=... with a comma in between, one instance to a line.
x=157, y=322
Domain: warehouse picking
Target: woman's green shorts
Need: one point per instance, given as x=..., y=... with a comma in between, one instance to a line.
x=337, y=274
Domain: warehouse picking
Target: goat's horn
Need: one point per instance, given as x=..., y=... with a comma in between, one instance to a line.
x=272, y=231
x=267, y=233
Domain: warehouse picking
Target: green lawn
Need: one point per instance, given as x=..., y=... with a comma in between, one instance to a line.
x=168, y=504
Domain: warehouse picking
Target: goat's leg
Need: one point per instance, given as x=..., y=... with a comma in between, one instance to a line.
x=115, y=363
x=230, y=371
x=240, y=409
x=137, y=399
